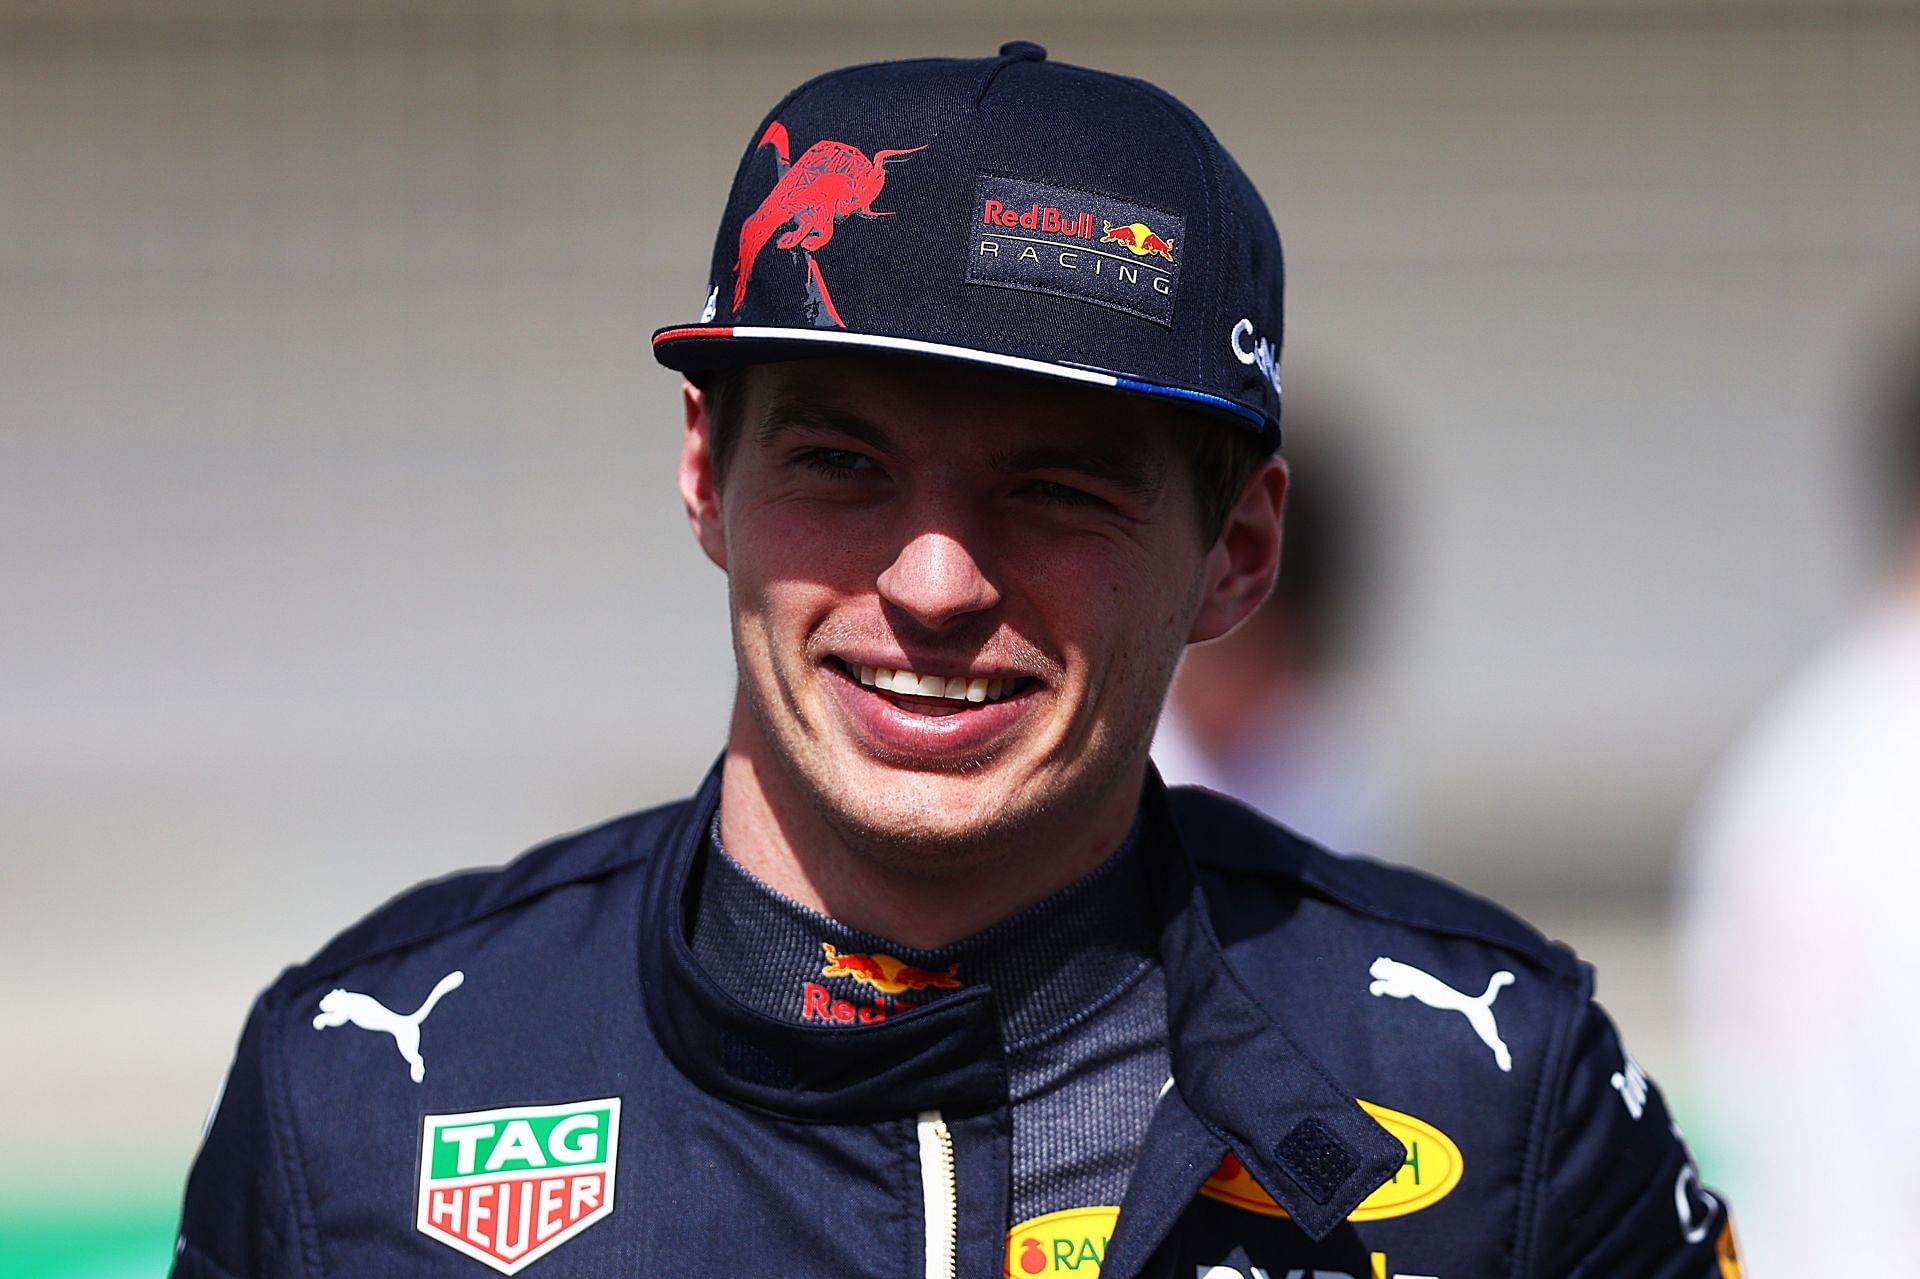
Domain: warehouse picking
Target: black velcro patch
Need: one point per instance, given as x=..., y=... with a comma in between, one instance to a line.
x=744, y=1059
x=1076, y=244
x=1315, y=1157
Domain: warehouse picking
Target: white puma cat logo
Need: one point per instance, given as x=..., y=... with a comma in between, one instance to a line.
x=1403, y=981
x=338, y=1007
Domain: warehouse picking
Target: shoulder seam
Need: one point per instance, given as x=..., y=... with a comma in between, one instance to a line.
x=1538, y=950
x=1542, y=956
x=1215, y=826
x=334, y=958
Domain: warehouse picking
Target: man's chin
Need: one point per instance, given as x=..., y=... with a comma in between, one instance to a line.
x=931, y=819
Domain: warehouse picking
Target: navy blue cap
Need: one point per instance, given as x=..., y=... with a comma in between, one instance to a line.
x=1011, y=212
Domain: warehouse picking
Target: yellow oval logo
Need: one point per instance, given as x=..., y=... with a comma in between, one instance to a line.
x=1431, y=1170
x=1070, y=1242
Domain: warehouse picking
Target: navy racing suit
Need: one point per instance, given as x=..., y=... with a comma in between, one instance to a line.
x=1374, y=1075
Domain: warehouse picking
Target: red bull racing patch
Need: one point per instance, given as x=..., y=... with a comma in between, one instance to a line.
x=1076, y=244
x=508, y=1186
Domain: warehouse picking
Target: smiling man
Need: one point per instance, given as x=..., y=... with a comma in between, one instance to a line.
x=933, y=977
x=958, y=598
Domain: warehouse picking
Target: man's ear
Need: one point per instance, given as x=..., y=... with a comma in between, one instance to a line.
x=699, y=488
x=1244, y=561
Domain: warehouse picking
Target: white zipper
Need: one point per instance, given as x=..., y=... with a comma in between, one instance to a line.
x=941, y=1192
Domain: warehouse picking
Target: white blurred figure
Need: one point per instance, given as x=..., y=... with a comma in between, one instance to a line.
x=1799, y=894
x=1272, y=713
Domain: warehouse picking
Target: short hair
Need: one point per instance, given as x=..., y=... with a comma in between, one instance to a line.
x=1221, y=458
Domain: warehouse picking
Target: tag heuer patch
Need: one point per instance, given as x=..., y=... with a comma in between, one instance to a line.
x=508, y=1186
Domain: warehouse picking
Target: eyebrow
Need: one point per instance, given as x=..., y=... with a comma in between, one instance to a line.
x=1137, y=472
x=795, y=415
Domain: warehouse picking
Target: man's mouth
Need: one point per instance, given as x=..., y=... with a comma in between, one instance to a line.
x=934, y=687
x=933, y=719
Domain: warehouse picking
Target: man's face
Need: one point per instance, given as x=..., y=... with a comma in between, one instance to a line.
x=958, y=597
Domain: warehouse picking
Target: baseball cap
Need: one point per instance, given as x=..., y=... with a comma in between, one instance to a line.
x=1011, y=212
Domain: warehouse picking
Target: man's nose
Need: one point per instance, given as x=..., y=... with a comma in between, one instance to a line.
x=937, y=579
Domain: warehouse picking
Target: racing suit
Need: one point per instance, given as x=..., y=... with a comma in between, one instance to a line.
x=1374, y=1075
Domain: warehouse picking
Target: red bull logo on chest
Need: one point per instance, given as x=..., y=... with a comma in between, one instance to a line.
x=888, y=977
x=885, y=973
x=508, y=1186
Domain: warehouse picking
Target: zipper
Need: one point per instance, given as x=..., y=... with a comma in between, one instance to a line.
x=940, y=1191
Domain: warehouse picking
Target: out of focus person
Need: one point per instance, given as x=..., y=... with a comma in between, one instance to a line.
x=1272, y=714
x=1798, y=900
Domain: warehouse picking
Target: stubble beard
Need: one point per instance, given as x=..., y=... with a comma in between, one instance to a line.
x=1017, y=823
x=894, y=833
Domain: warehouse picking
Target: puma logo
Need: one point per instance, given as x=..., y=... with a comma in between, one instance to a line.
x=1403, y=981
x=338, y=1007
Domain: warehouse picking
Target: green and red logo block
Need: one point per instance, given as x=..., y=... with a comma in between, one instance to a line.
x=508, y=1186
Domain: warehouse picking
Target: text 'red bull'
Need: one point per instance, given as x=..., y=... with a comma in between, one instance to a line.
x=1077, y=226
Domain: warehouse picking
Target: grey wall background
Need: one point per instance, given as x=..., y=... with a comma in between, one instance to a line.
x=337, y=524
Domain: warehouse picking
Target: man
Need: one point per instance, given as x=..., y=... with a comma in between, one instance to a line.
x=933, y=977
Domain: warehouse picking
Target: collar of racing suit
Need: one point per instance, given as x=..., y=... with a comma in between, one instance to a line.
x=1240, y=1082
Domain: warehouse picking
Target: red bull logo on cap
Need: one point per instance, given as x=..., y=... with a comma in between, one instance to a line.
x=830, y=182
x=1070, y=226
x=1137, y=238
x=1075, y=244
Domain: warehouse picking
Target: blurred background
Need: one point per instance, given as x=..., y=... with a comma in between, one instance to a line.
x=338, y=530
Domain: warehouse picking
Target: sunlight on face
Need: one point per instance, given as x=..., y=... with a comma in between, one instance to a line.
x=958, y=598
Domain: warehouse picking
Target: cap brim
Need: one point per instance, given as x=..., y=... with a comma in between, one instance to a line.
x=695, y=349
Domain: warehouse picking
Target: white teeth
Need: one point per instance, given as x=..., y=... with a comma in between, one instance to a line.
x=956, y=688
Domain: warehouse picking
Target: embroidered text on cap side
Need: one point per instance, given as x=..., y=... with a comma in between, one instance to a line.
x=1075, y=244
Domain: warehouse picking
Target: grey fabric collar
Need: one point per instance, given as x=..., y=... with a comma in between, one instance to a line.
x=1048, y=967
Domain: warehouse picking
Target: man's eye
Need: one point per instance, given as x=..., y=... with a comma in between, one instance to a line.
x=1063, y=494
x=836, y=463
